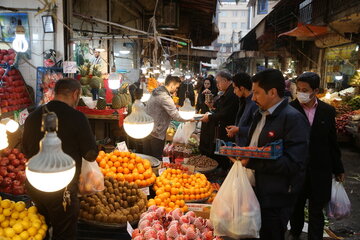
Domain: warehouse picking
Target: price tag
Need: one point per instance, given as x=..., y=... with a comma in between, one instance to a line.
x=161, y=170
x=146, y=191
x=166, y=159
x=122, y=147
x=129, y=229
x=22, y=116
x=69, y=67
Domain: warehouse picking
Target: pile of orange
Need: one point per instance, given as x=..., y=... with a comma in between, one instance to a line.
x=126, y=166
x=174, y=187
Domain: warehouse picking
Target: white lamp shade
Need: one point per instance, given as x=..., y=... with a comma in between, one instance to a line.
x=10, y=124
x=50, y=169
x=114, y=81
x=3, y=137
x=20, y=43
x=138, y=124
x=187, y=111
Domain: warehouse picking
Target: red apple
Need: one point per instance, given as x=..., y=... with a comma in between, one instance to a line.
x=11, y=175
x=15, y=162
x=10, y=168
x=11, y=156
x=18, y=190
x=3, y=171
x=6, y=151
x=15, y=151
x=21, y=176
x=23, y=161
x=7, y=182
x=4, y=161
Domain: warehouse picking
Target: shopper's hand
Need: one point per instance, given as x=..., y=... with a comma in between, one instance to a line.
x=340, y=177
x=210, y=105
x=231, y=130
x=244, y=161
x=205, y=118
x=206, y=91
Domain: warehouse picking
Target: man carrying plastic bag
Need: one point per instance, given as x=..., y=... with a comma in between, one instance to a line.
x=277, y=182
x=235, y=211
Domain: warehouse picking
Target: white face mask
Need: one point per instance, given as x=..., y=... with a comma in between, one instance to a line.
x=303, y=97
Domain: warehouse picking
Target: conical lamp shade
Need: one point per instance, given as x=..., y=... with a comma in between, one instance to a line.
x=51, y=169
x=187, y=111
x=138, y=124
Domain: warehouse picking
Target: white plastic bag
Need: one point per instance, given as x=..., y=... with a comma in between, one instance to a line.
x=91, y=179
x=235, y=211
x=184, y=132
x=339, y=206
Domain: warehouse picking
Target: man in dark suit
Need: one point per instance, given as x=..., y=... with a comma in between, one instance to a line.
x=278, y=181
x=324, y=157
x=223, y=114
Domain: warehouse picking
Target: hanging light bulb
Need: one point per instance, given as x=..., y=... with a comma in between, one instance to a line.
x=50, y=169
x=114, y=81
x=10, y=124
x=100, y=47
x=138, y=124
x=161, y=78
x=177, y=72
x=20, y=43
x=187, y=111
x=3, y=137
x=187, y=75
x=143, y=69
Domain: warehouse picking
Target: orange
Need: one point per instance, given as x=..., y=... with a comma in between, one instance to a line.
x=126, y=170
x=167, y=188
x=135, y=175
x=127, y=154
x=113, y=169
x=99, y=158
x=132, y=155
x=157, y=201
x=185, y=208
x=138, y=159
x=131, y=166
x=101, y=153
x=117, y=164
x=143, y=183
x=179, y=197
x=148, y=173
x=126, y=159
x=110, y=163
x=120, y=177
x=174, y=191
x=129, y=178
x=141, y=169
x=113, y=158
x=197, y=196
x=192, y=197
x=120, y=159
x=186, y=197
x=120, y=170
x=102, y=164
x=147, y=164
x=141, y=177
x=171, y=204
x=138, y=182
x=122, y=154
x=159, y=191
x=110, y=174
x=116, y=152
x=173, y=198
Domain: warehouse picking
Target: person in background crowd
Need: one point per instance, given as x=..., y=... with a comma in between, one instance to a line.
x=186, y=90
x=324, y=157
x=207, y=88
x=244, y=117
x=222, y=114
x=136, y=85
x=77, y=141
x=96, y=60
x=277, y=181
x=288, y=93
x=162, y=109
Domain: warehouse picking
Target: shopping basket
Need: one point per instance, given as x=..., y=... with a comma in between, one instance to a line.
x=271, y=150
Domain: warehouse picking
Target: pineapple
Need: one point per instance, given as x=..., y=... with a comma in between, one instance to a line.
x=101, y=103
x=102, y=92
x=116, y=102
x=95, y=82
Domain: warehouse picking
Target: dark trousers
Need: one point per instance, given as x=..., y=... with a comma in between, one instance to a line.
x=153, y=147
x=316, y=218
x=64, y=223
x=274, y=222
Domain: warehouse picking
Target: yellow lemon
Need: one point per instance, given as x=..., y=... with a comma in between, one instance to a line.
x=2, y=217
x=25, y=224
x=38, y=237
x=7, y=212
x=44, y=226
x=6, y=203
x=32, y=209
x=32, y=231
x=23, y=214
x=24, y=235
x=15, y=215
x=16, y=237
x=12, y=222
x=1, y=209
x=33, y=217
x=1, y=232
x=20, y=206
x=5, y=223
x=42, y=232
x=36, y=225
x=9, y=232
x=18, y=228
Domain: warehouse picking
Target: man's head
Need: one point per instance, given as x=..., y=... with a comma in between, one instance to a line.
x=68, y=90
x=223, y=80
x=307, y=86
x=268, y=88
x=172, y=83
x=242, y=84
x=96, y=53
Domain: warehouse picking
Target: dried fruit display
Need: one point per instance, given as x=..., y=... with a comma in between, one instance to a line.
x=157, y=224
x=118, y=203
x=202, y=161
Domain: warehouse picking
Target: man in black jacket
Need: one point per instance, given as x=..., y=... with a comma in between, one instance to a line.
x=77, y=141
x=277, y=181
x=224, y=112
x=324, y=157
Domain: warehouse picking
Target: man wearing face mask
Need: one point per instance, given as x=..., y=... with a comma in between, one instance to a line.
x=324, y=157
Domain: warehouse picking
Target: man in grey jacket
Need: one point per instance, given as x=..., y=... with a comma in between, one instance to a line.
x=162, y=109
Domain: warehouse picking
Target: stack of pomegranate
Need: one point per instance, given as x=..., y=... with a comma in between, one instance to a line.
x=157, y=224
x=7, y=56
x=12, y=171
x=13, y=93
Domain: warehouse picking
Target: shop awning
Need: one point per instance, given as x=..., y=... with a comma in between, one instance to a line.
x=306, y=31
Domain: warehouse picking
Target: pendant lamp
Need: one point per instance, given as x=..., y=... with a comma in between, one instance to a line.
x=187, y=111
x=138, y=124
x=50, y=169
x=20, y=43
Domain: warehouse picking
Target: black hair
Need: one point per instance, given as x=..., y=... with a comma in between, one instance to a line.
x=66, y=86
x=224, y=74
x=311, y=78
x=169, y=79
x=242, y=80
x=270, y=78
